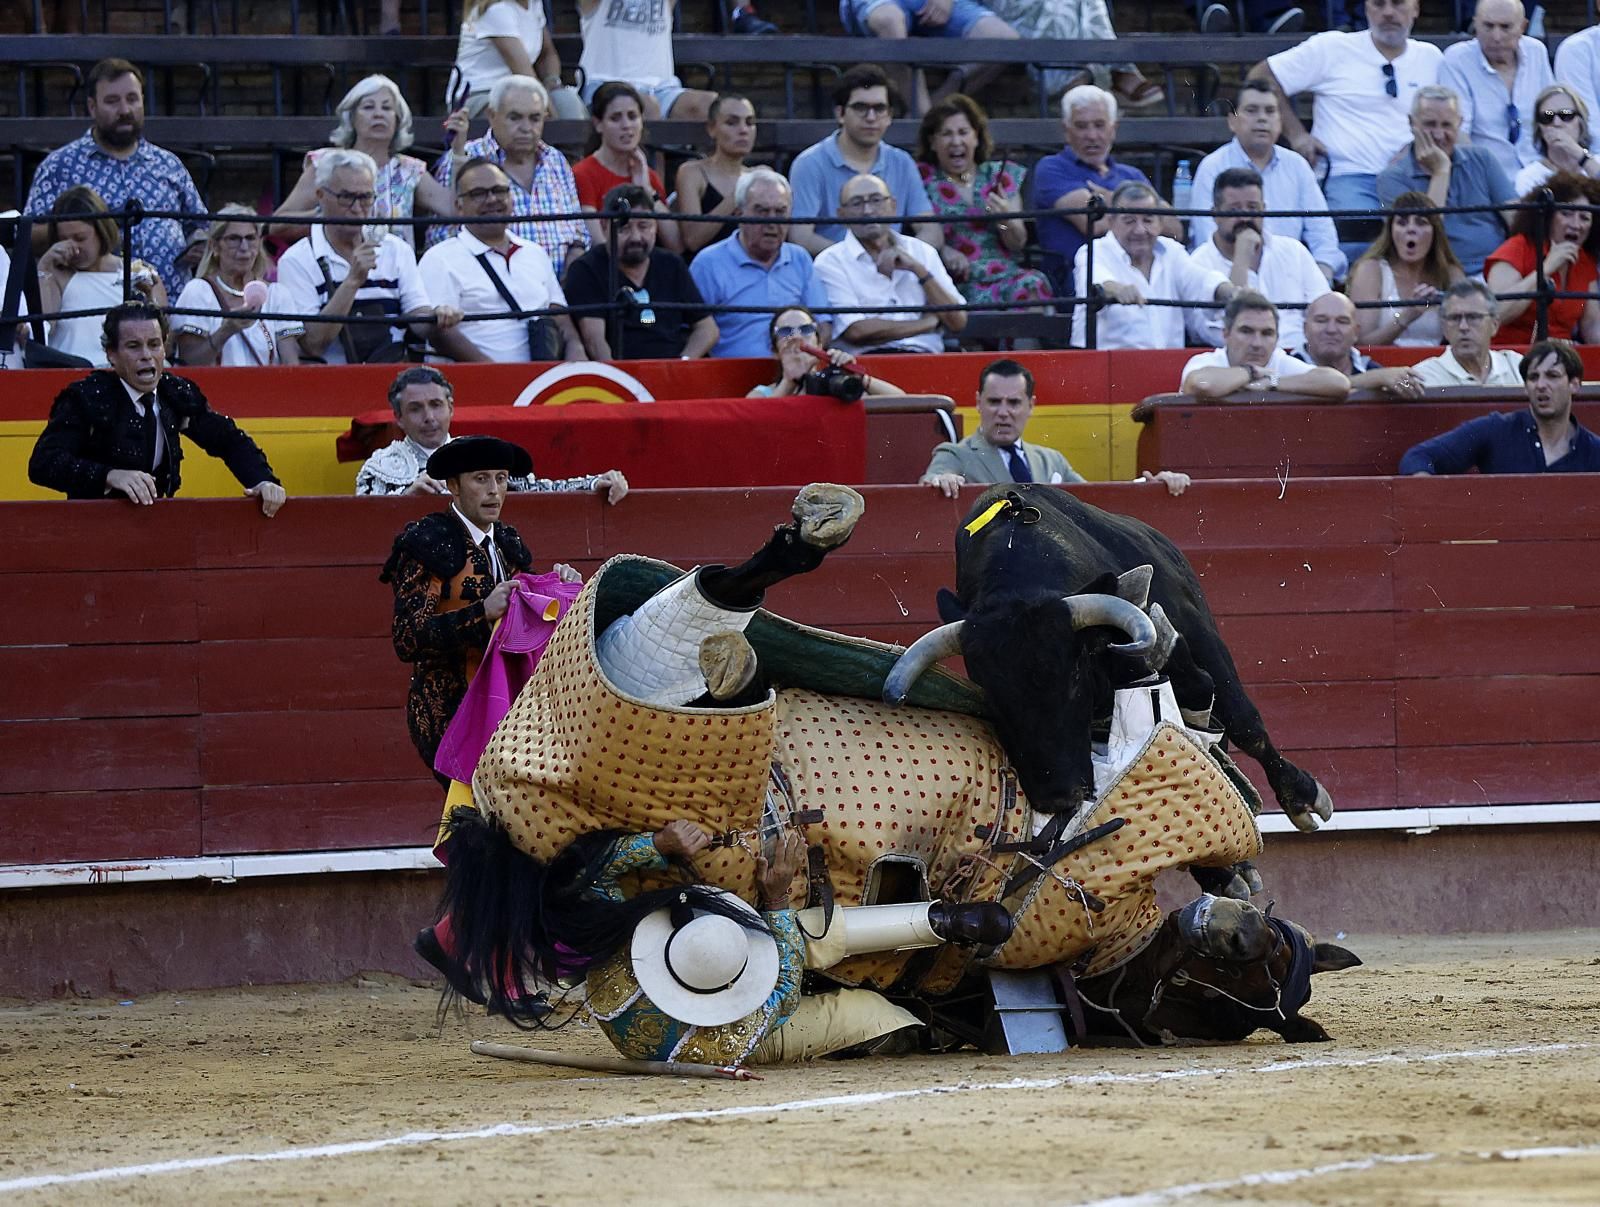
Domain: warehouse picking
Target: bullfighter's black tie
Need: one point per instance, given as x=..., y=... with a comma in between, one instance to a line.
x=1017, y=464
x=487, y=545
x=152, y=423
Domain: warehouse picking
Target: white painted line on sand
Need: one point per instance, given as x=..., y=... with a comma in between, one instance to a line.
x=1283, y=1177
x=836, y=1101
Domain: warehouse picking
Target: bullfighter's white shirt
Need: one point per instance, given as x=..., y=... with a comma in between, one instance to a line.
x=1173, y=274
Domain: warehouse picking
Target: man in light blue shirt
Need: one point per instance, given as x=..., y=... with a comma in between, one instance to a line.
x=863, y=107
x=1450, y=173
x=756, y=267
x=1287, y=181
x=1497, y=75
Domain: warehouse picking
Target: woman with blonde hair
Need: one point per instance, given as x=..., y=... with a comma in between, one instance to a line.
x=1561, y=136
x=81, y=270
x=1408, y=266
x=500, y=38
x=233, y=260
x=374, y=118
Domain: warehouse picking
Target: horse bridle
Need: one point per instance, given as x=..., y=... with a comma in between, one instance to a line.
x=1288, y=996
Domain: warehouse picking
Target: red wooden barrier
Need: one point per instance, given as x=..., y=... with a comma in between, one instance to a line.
x=194, y=679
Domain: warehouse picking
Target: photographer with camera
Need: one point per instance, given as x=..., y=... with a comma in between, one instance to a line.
x=806, y=367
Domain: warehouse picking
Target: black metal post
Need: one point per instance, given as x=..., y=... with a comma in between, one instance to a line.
x=1543, y=221
x=614, y=273
x=1093, y=298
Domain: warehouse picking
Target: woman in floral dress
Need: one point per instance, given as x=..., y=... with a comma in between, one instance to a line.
x=962, y=178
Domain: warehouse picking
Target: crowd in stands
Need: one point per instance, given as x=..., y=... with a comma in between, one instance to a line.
x=878, y=250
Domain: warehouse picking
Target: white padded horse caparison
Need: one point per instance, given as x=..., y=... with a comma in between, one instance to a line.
x=654, y=654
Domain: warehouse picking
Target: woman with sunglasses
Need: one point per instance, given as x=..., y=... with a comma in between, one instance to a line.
x=1408, y=266
x=1561, y=137
x=234, y=257
x=1571, y=252
x=796, y=342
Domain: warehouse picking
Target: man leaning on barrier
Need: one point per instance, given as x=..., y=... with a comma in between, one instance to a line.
x=116, y=431
x=1543, y=438
x=1330, y=342
x=1250, y=360
x=346, y=269
x=484, y=269
x=1468, y=316
x=424, y=403
x=1135, y=264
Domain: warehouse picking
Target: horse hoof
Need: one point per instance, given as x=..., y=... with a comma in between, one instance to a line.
x=1323, y=804
x=728, y=664
x=827, y=514
x=1305, y=821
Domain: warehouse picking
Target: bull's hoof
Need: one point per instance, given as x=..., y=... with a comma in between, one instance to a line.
x=728, y=664
x=1308, y=820
x=827, y=514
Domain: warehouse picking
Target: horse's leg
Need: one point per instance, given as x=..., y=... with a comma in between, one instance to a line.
x=659, y=653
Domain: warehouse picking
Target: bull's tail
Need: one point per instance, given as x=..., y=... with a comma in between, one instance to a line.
x=491, y=899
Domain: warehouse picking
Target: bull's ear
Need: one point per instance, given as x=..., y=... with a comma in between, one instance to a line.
x=1106, y=584
x=950, y=609
x=1330, y=957
x=1134, y=585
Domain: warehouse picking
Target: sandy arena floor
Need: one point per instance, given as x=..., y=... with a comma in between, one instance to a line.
x=1464, y=1071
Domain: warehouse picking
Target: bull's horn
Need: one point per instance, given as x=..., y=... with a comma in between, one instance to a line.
x=1088, y=610
x=935, y=646
x=1134, y=585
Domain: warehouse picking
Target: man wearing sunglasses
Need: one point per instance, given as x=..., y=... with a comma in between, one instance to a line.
x=1497, y=75
x=1363, y=84
x=1450, y=173
x=485, y=269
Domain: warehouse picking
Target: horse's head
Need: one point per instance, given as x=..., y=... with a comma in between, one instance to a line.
x=1218, y=970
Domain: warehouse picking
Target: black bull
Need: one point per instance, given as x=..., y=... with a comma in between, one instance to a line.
x=1045, y=586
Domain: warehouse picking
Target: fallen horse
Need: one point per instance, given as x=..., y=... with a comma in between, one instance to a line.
x=680, y=754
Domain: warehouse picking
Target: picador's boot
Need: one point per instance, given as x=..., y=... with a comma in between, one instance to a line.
x=973, y=924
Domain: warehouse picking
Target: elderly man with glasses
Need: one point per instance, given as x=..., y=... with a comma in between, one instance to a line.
x=1497, y=75
x=874, y=270
x=540, y=176
x=351, y=268
x=1468, y=316
x=1363, y=84
x=484, y=269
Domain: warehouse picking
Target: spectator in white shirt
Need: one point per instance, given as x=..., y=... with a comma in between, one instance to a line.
x=1254, y=258
x=872, y=267
x=485, y=268
x=1470, y=322
x=1497, y=75
x=1363, y=84
x=1251, y=360
x=1578, y=64
x=234, y=257
x=1287, y=181
x=1134, y=263
x=345, y=269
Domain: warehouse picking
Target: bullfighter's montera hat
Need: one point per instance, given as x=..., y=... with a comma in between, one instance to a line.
x=465, y=454
x=702, y=968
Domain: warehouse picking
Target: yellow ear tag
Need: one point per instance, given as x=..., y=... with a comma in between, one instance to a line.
x=993, y=510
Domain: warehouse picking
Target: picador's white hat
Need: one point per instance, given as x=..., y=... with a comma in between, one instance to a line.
x=707, y=971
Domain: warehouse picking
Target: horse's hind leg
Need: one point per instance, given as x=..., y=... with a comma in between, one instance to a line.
x=659, y=653
x=824, y=517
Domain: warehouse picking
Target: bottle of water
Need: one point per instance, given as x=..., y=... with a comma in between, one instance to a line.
x=1182, y=186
